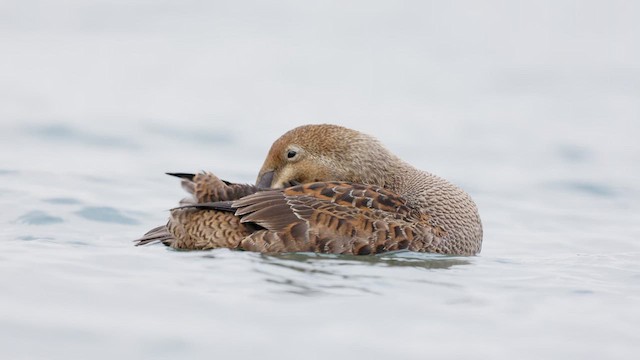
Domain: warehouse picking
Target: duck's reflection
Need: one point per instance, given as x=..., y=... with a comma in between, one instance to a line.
x=392, y=259
x=322, y=274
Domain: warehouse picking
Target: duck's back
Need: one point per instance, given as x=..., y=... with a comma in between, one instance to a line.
x=453, y=214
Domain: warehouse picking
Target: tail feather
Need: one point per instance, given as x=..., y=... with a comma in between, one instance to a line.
x=189, y=186
x=188, y=181
x=186, y=176
x=158, y=234
x=190, y=177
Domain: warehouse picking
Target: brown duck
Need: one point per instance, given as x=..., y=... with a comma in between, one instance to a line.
x=329, y=189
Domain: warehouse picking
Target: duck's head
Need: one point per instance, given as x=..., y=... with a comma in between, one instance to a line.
x=312, y=153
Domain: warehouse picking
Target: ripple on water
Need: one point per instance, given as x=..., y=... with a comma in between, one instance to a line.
x=32, y=238
x=63, y=201
x=574, y=154
x=311, y=274
x=204, y=136
x=61, y=132
x=400, y=258
x=105, y=214
x=7, y=172
x=585, y=187
x=38, y=217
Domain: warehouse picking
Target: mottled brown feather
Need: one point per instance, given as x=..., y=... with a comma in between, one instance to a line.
x=206, y=187
x=329, y=217
x=206, y=229
x=201, y=228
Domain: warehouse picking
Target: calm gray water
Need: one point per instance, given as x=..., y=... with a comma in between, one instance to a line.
x=533, y=108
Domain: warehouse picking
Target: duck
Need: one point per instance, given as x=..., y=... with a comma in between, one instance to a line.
x=328, y=189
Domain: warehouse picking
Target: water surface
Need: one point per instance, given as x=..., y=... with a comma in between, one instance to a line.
x=532, y=108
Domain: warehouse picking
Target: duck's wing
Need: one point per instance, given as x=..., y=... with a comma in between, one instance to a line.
x=332, y=217
x=206, y=187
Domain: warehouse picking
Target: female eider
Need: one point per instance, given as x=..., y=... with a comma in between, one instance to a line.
x=328, y=189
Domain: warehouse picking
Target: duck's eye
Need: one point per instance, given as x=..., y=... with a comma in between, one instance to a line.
x=291, y=154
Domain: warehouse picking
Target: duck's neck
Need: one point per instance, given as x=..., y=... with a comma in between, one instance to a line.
x=375, y=165
x=383, y=169
x=400, y=178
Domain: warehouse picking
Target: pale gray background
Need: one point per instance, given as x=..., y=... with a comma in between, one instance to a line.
x=531, y=106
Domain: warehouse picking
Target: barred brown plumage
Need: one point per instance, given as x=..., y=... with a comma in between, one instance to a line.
x=353, y=197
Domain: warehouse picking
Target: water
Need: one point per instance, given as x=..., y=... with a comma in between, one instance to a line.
x=532, y=108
